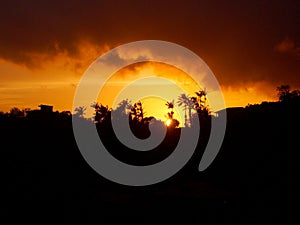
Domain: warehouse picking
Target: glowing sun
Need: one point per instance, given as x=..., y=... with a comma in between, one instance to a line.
x=168, y=122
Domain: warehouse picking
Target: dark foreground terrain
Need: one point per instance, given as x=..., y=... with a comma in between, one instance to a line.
x=253, y=180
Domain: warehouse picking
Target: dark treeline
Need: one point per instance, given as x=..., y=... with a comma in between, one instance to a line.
x=253, y=179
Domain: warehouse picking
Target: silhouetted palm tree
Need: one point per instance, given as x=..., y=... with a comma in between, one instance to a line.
x=200, y=103
x=170, y=105
x=187, y=103
x=171, y=122
x=201, y=98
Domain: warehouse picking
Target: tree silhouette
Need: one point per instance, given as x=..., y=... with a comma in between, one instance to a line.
x=171, y=122
x=200, y=103
x=137, y=112
x=285, y=94
x=16, y=112
x=123, y=110
x=185, y=101
x=200, y=99
x=101, y=112
x=170, y=105
x=80, y=111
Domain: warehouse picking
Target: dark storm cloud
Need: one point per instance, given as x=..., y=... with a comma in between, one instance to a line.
x=237, y=38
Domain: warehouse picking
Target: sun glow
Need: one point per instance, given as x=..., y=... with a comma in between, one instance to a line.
x=168, y=122
x=153, y=105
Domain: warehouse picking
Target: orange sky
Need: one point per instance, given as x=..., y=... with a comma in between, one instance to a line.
x=45, y=47
x=55, y=82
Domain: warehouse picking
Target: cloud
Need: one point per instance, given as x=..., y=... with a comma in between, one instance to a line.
x=251, y=92
x=288, y=46
x=241, y=42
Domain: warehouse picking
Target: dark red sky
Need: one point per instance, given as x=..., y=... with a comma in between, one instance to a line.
x=243, y=42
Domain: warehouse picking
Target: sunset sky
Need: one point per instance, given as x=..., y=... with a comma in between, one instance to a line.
x=45, y=46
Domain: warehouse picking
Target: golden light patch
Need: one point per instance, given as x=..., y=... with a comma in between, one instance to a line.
x=154, y=106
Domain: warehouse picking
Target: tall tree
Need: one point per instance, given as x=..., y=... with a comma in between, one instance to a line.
x=200, y=103
x=171, y=122
x=185, y=101
x=170, y=105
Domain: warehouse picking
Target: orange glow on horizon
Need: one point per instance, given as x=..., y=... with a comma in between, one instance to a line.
x=154, y=106
x=54, y=83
